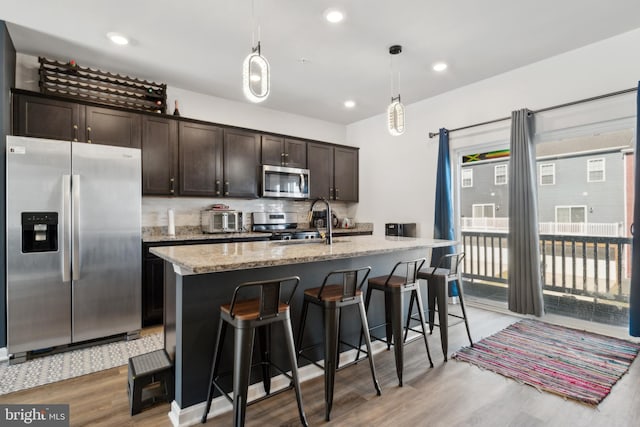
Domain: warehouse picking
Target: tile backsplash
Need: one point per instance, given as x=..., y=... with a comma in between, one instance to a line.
x=187, y=209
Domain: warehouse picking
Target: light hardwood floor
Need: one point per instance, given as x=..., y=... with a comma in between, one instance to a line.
x=450, y=394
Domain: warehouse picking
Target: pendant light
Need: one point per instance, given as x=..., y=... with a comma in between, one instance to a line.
x=256, y=79
x=395, y=110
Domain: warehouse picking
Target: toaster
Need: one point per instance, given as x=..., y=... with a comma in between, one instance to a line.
x=221, y=221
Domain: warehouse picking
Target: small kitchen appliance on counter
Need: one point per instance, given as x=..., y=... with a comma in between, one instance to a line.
x=400, y=229
x=221, y=221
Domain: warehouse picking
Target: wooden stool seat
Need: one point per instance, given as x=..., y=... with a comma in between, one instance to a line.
x=329, y=293
x=250, y=309
x=392, y=281
x=149, y=370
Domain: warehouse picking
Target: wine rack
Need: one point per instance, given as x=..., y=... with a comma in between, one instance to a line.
x=73, y=81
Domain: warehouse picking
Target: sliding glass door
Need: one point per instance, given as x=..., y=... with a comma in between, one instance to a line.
x=585, y=201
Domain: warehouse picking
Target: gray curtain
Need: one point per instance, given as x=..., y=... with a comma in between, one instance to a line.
x=525, y=284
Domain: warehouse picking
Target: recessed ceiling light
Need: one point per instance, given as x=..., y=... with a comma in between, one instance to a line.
x=118, y=39
x=440, y=66
x=349, y=103
x=333, y=15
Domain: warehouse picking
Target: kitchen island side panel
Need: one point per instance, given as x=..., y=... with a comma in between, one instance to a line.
x=197, y=302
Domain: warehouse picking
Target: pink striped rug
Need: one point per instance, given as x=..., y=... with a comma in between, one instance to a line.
x=571, y=363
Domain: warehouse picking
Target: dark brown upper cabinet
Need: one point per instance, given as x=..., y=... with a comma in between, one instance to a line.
x=159, y=156
x=200, y=160
x=320, y=164
x=241, y=163
x=333, y=172
x=281, y=151
x=345, y=169
x=47, y=118
x=41, y=117
x=107, y=126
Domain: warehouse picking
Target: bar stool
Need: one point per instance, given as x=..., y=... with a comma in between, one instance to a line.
x=332, y=299
x=245, y=316
x=438, y=281
x=394, y=288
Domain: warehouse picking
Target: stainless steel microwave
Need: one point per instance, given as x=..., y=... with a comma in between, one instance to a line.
x=280, y=181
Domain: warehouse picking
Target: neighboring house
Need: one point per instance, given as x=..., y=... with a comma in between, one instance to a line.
x=580, y=191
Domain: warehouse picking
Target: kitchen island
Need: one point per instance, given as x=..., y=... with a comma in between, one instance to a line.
x=200, y=278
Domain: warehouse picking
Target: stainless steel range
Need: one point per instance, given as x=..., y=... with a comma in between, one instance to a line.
x=282, y=226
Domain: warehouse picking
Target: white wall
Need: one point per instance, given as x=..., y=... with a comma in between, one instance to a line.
x=397, y=174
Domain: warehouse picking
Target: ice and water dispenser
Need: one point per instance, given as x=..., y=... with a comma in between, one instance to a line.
x=39, y=232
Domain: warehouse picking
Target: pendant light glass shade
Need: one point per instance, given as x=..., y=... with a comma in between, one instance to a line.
x=256, y=77
x=395, y=110
x=395, y=117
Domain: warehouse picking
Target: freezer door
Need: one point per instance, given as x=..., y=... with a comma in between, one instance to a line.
x=38, y=283
x=106, y=261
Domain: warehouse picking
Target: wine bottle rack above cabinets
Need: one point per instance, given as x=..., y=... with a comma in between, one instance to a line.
x=71, y=80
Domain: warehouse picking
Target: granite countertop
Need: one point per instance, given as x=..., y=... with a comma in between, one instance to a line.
x=209, y=258
x=159, y=234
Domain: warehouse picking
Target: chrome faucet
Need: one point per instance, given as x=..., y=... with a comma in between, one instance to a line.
x=328, y=219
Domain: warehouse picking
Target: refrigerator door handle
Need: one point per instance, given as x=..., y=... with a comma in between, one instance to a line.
x=75, y=264
x=66, y=226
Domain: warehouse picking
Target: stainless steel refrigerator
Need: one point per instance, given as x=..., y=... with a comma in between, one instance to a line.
x=73, y=242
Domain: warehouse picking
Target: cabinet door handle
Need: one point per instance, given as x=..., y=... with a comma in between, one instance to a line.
x=89, y=134
x=217, y=188
x=172, y=181
x=331, y=193
x=75, y=133
x=337, y=193
x=226, y=188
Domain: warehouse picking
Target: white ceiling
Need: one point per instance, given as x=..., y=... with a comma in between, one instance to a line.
x=200, y=44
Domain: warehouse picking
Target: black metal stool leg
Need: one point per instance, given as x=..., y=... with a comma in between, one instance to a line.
x=264, y=338
x=288, y=333
x=243, y=348
x=422, y=322
x=431, y=303
x=217, y=353
x=331, y=331
x=367, y=300
x=406, y=328
x=464, y=312
x=303, y=321
x=389, y=312
x=396, y=304
x=365, y=332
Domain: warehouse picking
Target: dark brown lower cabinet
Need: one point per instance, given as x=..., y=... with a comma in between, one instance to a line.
x=152, y=291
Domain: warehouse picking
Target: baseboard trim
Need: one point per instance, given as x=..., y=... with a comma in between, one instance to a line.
x=4, y=354
x=191, y=415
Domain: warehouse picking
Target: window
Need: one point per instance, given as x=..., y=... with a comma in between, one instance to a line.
x=484, y=211
x=547, y=173
x=595, y=170
x=571, y=214
x=467, y=177
x=500, y=175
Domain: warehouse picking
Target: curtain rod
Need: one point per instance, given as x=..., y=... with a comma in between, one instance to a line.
x=567, y=104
